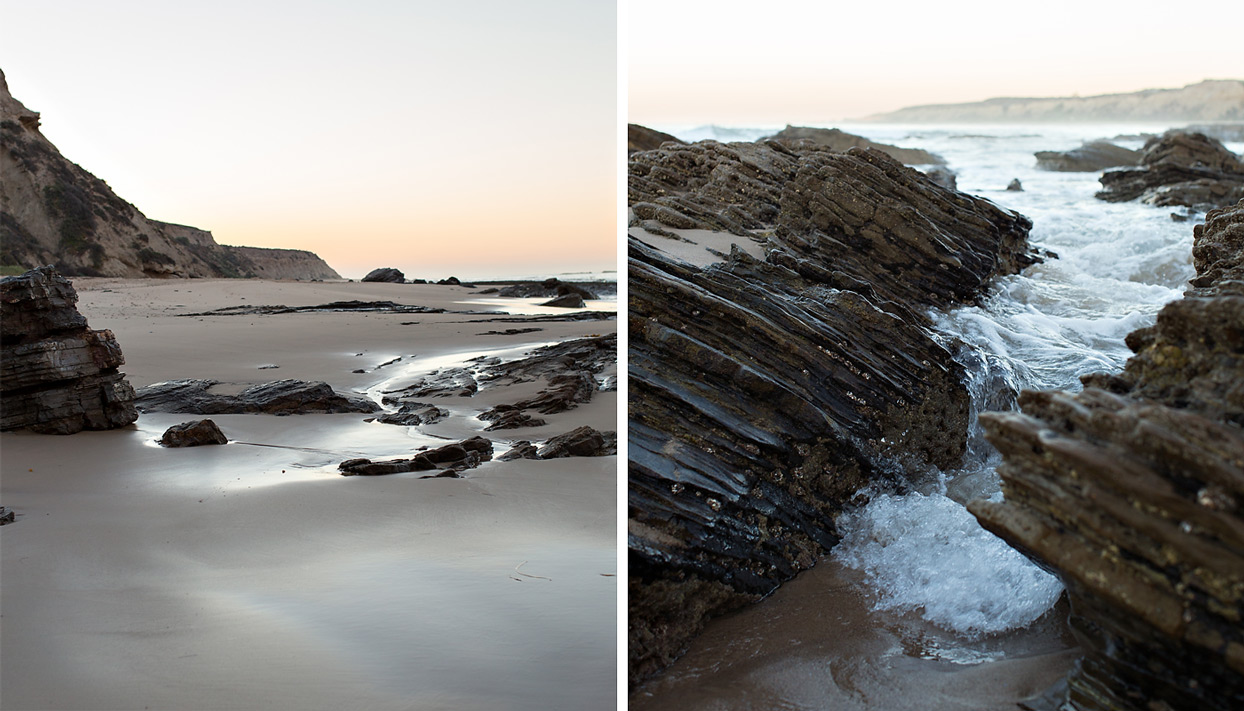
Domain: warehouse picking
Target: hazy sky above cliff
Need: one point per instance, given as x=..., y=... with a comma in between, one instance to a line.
x=475, y=139
x=803, y=61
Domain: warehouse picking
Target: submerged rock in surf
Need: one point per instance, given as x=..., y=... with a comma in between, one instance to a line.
x=765, y=392
x=1133, y=492
x=1179, y=168
x=57, y=376
x=1091, y=157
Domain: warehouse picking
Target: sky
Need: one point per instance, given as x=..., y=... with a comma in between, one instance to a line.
x=470, y=139
x=801, y=61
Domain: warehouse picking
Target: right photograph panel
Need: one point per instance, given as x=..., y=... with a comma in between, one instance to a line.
x=934, y=392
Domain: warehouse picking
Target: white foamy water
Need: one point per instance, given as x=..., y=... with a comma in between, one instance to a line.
x=1117, y=265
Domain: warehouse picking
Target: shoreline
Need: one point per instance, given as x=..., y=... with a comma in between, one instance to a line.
x=254, y=575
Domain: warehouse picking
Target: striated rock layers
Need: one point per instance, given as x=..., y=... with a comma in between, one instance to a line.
x=837, y=140
x=1179, y=168
x=1088, y=158
x=56, y=374
x=764, y=394
x=54, y=212
x=1133, y=492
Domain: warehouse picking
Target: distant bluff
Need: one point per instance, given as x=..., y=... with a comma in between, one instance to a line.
x=54, y=212
x=1212, y=100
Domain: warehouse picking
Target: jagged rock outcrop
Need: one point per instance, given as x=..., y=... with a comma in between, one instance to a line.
x=554, y=287
x=1088, y=158
x=279, y=397
x=1211, y=100
x=56, y=374
x=837, y=140
x=1133, y=492
x=452, y=458
x=193, y=434
x=764, y=394
x=1179, y=168
x=54, y=212
x=386, y=274
x=642, y=138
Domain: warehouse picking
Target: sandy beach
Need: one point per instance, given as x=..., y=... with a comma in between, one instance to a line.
x=253, y=575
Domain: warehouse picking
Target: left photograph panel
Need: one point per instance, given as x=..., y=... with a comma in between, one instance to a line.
x=308, y=392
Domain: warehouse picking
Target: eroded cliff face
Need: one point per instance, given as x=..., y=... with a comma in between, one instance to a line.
x=54, y=212
x=1133, y=492
x=765, y=392
x=57, y=376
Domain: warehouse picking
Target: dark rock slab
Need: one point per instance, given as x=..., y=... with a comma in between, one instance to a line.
x=57, y=376
x=279, y=397
x=386, y=274
x=1091, y=157
x=1179, y=168
x=568, y=301
x=580, y=442
x=521, y=449
x=193, y=434
x=7, y=515
x=508, y=417
x=454, y=458
x=765, y=393
x=411, y=414
x=1015, y=186
x=642, y=138
x=837, y=140
x=1132, y=492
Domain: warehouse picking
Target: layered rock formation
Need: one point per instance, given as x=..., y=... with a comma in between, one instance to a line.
x=56, y=374
x=1179, y=168
x=1133, y=492
x=765, y=393
x=1213, y=100
x=1088, y=158
x=54, y=212
x=836, y=140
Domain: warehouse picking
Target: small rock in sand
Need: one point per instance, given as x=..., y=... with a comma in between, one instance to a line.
x=193, y=434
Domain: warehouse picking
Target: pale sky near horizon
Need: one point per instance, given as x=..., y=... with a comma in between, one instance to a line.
x=738, y=62
x=473, y=139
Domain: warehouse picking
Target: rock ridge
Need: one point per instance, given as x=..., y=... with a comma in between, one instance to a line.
x=765, y=392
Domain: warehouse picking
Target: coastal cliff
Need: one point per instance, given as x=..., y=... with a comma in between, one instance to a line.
x=765, y=391
x=1211, y=100
x=1133, y=492
x=54, y=212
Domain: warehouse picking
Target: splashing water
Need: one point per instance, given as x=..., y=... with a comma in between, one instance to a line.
x=1117, y=265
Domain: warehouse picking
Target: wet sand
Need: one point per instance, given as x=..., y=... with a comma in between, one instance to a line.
x=816, y=644
x=252, y=575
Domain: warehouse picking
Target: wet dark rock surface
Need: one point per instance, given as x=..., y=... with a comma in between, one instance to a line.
x=1091, y=157
x=554, y=287
x=764, y=394
x=451, y=459
x=57, y=376
x=279, y=397
x=1179, y=168
x=386, y=274
x=412, y=414
x=837, y=140
x=193, y=434
x=368, y=306
x=1133, y=492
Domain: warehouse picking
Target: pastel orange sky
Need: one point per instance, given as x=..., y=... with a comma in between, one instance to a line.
x=799, y=61
x=477, y=140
